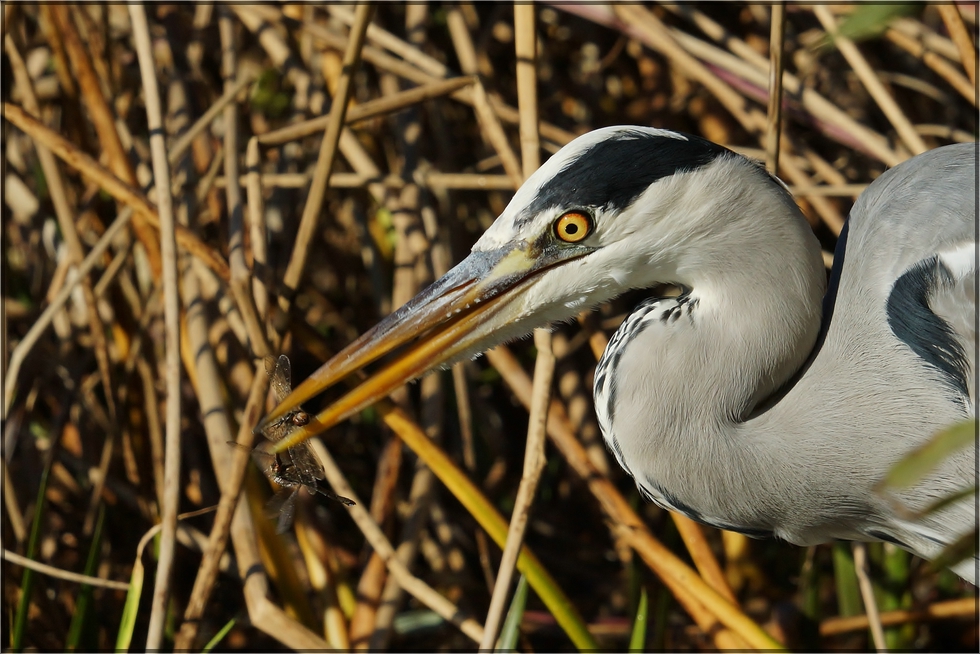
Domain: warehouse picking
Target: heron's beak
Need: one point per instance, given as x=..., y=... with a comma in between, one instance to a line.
x=456, y=314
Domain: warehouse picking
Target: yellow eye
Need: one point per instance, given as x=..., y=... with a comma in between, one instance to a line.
x=573, y=226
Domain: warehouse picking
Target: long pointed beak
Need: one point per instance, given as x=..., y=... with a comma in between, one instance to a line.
x=447, y=320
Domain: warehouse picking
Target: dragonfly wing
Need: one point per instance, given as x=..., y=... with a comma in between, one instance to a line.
x=282, y=505
x=281, y=377
x=306, y=464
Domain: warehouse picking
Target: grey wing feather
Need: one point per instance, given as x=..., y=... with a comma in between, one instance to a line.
x=915, y=210
x=955, y=302
x=904, y=325
x=913, y=240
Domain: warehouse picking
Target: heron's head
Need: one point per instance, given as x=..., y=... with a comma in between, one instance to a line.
x=611, y=211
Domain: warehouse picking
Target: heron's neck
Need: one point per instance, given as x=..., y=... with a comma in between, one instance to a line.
x=685, y=384
x=758, y=279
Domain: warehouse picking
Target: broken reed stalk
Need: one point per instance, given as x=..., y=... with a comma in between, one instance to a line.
x=328, y=151
x=128, y=195
x=241, y=276
x=872, y=83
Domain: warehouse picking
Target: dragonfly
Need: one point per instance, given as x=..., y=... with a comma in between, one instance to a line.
x=297, y=467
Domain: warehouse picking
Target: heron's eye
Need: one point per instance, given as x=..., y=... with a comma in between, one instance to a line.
x=573, y=227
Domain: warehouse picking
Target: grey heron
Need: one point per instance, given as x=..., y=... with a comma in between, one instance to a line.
x=758, y=400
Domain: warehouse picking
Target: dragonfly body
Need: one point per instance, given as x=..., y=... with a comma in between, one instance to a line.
x=296, y=467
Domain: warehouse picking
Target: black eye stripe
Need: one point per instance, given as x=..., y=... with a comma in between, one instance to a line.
x=614, y=172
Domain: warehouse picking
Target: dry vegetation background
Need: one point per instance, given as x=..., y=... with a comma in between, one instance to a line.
x=414, y=182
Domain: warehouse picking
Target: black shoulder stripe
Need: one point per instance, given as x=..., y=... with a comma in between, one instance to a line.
x=614, y=172
x=833, y=284
x=655, y=493
x=886, y=537
x=913, y=322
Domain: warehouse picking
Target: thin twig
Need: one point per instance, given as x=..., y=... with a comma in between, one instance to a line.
x=777, y=30
x=277, y=48
x=328, y=151
x=43, y=321
x=262, y=279
x=65, y=216
x=930, y=38
x=231, y=92
x=869, y=78
x=655, y=34
x=104, y=122
x=406, y=51
x=868, y=595
x=544, y=366
x=262, y=613
x=965, y=607
x=490, y=125
x=58, y=573
x=218, y=539
x=458, y=181
x=751, y=67
x=14, y=514
x=961, y=37
x=378, y=107
x=417, y=230
x=241, y=277
x=704, y=559
x=372, y=532
x=385, y=62
x=939, y=64
x=111, y=184
x=171, y=312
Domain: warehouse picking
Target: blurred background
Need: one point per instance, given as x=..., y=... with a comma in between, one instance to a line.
x=424, y=164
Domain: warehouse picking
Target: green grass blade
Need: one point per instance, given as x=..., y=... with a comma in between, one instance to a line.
x=218, y=637
x=131, y=607
x=893, y=592
x=662, y=602
x=79, y=619
x=477, y=504
x=27, y=579
x=963, y=547
x=869, y=21
x=512, y=623
x=848, y=594
x=638, y=636
x=948, y=500
x=923, y=460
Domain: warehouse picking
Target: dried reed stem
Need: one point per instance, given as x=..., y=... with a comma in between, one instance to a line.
x=868, y=595
x=372, y=532
x=544, y=366
x=965, y=607
x=58, y=573
x=111, y=184
x=961, y=37
x=869, y=78
x=171, y=306
x=328, y=151
x=777, y=31
x=241, y=277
